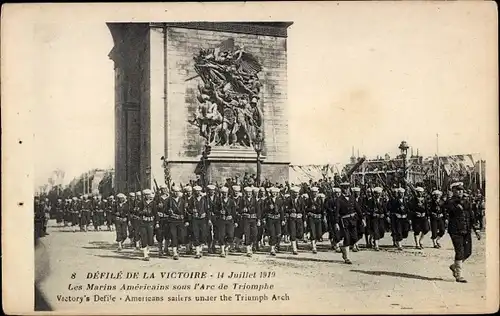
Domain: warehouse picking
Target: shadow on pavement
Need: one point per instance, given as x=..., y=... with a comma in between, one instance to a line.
x=400, y=275
x=298, y=258
x=124, y=255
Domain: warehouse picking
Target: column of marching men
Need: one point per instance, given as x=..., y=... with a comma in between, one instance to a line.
x=235, y=219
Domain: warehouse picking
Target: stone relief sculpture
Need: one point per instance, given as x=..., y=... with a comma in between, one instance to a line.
x=228, y=113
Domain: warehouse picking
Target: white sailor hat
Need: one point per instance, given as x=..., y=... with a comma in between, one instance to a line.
x=59, y=200
x=236, y=188
x=84, y=196
x=345, y=184
x=163, y=186
x=211, y=187
x=337, y=190
x=262, y=189
x=305, y=195
x=419, y=189
x=437, y=192
x=377, y=190
x=188, y=188
x=248, y=189
x=314, y=189
x=224, y=189
x=197, y=188
x=147, y=192
x=121, y=195
x=457, y=186
x=111, y=197
x=401, y=190
x=295, y=189
x=255, y=189
x=176, y=189
x=138, y=193
x=274, y=190
x=131, y=194
x=321, y=195
x=356, y=189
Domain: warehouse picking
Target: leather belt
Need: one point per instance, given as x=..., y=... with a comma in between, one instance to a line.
x=378, y=215
x=176, y=216
x=272, y=216
x=227, y=218
x=148, y=218
x=437, y=215
x=121, y=219
x=295, y=215
x=99, y=211
x=253, y=215
x=314, y=215
x=160, y=214
x=420, y=214
x=199, y=216
x=348, y=215
x=400, y=215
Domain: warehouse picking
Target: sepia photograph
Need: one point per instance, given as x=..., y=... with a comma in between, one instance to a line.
x=250, y=158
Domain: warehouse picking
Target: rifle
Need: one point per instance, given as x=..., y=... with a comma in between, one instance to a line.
x=156, y=185
x=139, y=183
x=386, y=188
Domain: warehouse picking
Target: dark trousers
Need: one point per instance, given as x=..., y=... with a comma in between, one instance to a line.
x=260, y=232
x=59, y=216
x=38, y=229
x=296, y=228
x=349, y=228
x=462, y=243
x=98, y=218
x=200, y=231
x=146, y=233
x=420, y=225
x=250, y=230
x=75, y=219
x=437, y=227
x=121, y=230
x=377, y=227
x=315, y=227
x=177, y=232
x=109, y=218
x=85, y=218
x=401, y=229
x=225, y=230
x=238, y=231
x=162, y=231
x=274, y=230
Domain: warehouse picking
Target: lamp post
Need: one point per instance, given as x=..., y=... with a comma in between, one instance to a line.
x=257, y=145
x=404, y=153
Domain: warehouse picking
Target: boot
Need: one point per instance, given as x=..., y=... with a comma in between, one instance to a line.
x=198, y=252
x=398, y=245
x=120, y=247
x=146, y=253
x=434, y=243
x=458, y=269
x=222, y=251
x=417, y=244
x=314, y=250
x=355, y=248
x=376, y=245
x=273, y=250
x=137, y=245
x=249, y=251
x=294, y=247
x=175, y=254
x=420, y=241
x=345, y=255
x=437, y=242
x=337, y=248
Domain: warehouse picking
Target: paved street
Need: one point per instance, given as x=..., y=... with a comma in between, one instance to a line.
x=387, y=281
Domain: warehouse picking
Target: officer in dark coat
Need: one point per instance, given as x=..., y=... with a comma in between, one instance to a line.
x=438, y=218
x=461, y=220
x=347, y=213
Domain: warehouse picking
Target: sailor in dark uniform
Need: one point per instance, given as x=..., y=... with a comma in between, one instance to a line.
x=399, y=210
x=121, y=218
x=295, y=211
x=438, y=218
x=461, y=220
x=420, y=216
x=314, y=208
x=273, y=208
x=177, y=223
x=162, y=234
x=197, y=210
x=361, y=222
x=224, y=214
x=347, y=212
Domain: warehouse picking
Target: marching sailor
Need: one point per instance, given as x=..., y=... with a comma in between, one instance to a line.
x=420, y=220
x=296, y=218
x=461, y=220
x=147, y=216
x=198, y=212
x=250, y=217
x=273, y=207
x=399, y=209
x=121, y=218
x=438, y=218
x=314, y=208
x=378, y=214
x=176, y=220
x=347, y=212
x=161, y=221
x=224, y=213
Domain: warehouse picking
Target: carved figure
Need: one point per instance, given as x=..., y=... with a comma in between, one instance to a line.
x=228, y=113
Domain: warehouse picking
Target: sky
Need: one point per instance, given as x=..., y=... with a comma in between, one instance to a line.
x=365, y=79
